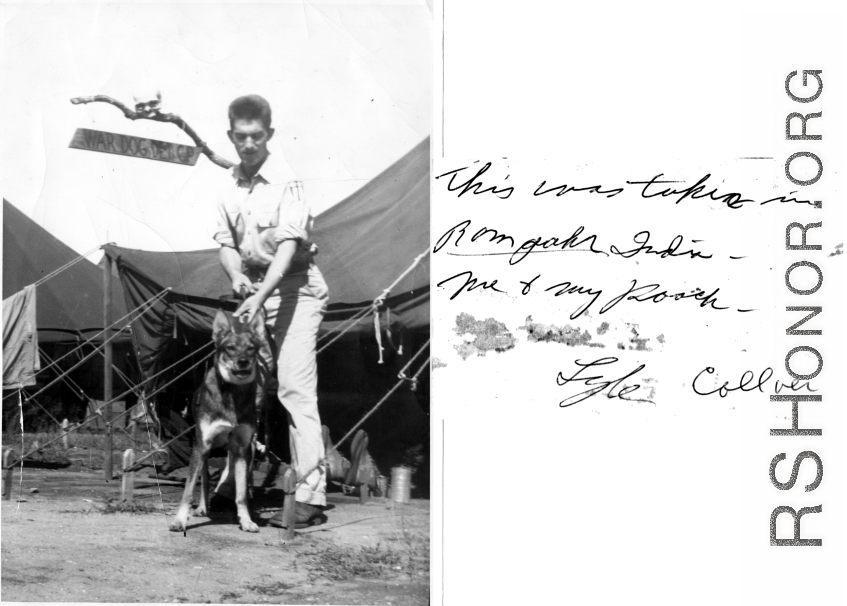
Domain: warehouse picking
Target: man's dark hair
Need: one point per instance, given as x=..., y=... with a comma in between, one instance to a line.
x=250, y=107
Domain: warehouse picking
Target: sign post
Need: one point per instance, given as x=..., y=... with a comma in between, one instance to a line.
x=135, y=147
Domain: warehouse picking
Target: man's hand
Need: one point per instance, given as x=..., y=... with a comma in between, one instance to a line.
x=249, y=308
x=241, y=284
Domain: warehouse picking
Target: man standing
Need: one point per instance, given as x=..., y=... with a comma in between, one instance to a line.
x=263, y=230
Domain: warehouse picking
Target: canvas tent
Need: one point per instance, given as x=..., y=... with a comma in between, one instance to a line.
x=68, y=311
x=70, y=304
x=365, y=243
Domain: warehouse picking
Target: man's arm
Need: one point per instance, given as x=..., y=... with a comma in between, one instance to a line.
x=231, y=262
x=276, y=270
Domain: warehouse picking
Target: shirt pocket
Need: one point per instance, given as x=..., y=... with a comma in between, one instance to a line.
x=267, y=219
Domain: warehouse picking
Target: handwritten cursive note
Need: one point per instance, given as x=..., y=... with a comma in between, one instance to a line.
x=637, y=298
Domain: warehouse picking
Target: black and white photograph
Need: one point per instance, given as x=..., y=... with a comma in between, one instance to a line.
x=216, y=302
x=404, y=302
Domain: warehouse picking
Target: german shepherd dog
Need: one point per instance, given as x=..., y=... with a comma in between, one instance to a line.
x=225, y=406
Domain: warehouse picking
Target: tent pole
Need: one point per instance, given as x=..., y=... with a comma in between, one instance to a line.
x=107, y=365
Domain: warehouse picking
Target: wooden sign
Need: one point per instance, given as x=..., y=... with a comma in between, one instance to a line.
x=136, y=147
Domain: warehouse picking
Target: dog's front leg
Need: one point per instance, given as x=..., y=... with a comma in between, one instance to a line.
x=199, y=457
x=240, y=444
x=203, y=506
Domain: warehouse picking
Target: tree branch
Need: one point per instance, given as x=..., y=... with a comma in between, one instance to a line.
x=158, y=117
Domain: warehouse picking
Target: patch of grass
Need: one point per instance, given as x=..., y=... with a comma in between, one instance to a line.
x=115, y=506
x=415, y=553
x=273, y=589
x=413, y=546
x=133, y=508
x=230, y=595
x=340, y=563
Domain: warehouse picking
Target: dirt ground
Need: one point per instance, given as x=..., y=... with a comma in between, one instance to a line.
x=67, y=538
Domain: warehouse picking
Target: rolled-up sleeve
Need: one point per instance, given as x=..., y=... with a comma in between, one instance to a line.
x=223, y=234
x=294, y=215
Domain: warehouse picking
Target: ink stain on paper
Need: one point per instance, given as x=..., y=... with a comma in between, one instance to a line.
x=567, y=334
x=637, y=343
x=624, y=336
x=839, y=250
x=436, y=363
x=482, y=336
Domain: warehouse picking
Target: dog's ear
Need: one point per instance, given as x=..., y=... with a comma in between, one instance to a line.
x=220, y=326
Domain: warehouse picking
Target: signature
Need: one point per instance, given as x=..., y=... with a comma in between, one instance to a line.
x=747, y=382
x=598, y=384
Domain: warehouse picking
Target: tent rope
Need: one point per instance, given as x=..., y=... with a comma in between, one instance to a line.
x=162, y=387
x=71, y=263
x=66, y=378
x=96, y=413
x=381, y=298
x=353, y=321
x=396, y=386
x=55, y=420
x=121, y=375
x=75, y=386
x=21, y=484
x=161, y=448
x=374, y=307
x=149, y=303
x=413, y=380
x=74, y=367
x=378, y=302
x=378, y=334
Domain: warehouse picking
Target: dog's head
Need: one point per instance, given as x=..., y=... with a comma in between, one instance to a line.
x=236, y=348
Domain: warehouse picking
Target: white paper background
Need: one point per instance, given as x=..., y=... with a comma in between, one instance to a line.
x=610, y=502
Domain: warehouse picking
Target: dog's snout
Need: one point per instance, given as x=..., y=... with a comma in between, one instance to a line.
x=243, y=362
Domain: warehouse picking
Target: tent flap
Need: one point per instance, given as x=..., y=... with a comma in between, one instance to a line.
x=20, y=340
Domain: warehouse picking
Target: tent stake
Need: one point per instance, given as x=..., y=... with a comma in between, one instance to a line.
x=8, y=459
x=107, y=364
x=65, y=434
x=128, y=479
x=289, y=486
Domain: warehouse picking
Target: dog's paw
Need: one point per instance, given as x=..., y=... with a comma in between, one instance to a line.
x=200, y=511
x=248, y=526
x=177, y=526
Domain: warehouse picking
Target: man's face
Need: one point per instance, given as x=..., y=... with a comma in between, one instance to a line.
x=250, y=138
